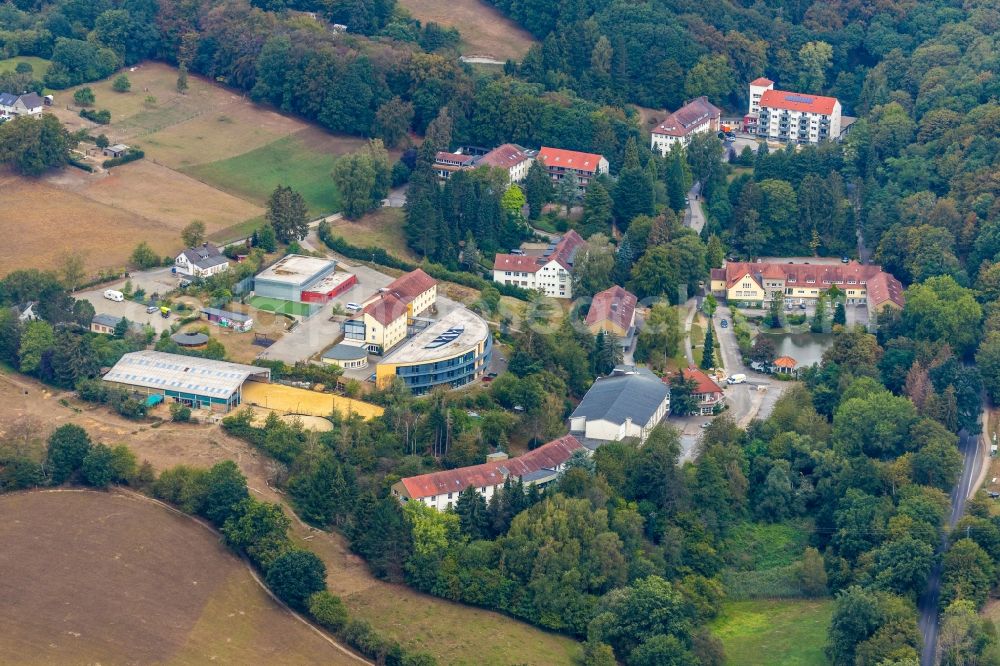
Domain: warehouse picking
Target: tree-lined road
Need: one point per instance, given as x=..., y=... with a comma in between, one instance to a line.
x=928, y=603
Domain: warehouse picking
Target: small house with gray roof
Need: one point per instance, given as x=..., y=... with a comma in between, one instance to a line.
x=26, y=104
x=629, y=402
x=202, y=261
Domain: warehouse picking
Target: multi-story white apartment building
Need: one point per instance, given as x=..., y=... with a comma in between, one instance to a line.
x=697, y=116
x=779, y=115
x=550, y=273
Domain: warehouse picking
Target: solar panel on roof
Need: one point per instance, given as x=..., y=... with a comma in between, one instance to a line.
x=802, y=99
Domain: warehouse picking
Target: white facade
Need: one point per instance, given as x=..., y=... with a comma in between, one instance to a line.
x=185, y=266
x=551, y=279
x=799, y=126
x=20, y=105
x=609, y=431
x=787, y=116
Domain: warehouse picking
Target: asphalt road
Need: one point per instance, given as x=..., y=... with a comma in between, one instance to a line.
x=928, y=603
x=694, y=216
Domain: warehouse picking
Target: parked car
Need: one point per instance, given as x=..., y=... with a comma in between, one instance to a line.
x=185, y=284
x=725, y=323
x=353, y=307
x=706, y=424
x=845, y=260
x=113, y=295
x=150, y=309
x=738, y=378
x=802, y=306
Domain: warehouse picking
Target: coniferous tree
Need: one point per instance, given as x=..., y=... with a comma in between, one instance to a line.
x=472, y=514
x=537, y=189
x=708, y=355
x=633, y=194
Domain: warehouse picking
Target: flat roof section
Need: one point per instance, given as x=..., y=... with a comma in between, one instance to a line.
x=457, y=332
x=295, y=269
x=330, y=283
x=346, y=352
x=190, y=374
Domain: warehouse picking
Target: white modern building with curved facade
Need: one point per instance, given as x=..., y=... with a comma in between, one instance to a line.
x=453, y=351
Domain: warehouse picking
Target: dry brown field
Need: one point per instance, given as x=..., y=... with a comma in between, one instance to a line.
x=42, y=221
x=484, y=30
x=93, y=577
x=416, y=620
x=103, y=217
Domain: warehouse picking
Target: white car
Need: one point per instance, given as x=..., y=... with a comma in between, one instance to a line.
x=737, y=379
x=353, y=307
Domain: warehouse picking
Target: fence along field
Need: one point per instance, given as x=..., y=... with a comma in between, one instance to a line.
x=95, y=577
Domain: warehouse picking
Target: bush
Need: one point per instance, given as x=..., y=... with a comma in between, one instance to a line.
x=132, y=155
x=102, y=117
x=80, y=165
x=84, y=97
x=295, y=576
x=328, y=610
x=20, y=474
x=97, y=467
x=180, y=412
x=121, y=84
x=68, y=447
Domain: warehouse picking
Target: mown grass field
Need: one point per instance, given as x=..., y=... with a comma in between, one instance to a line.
x=381, y=228
x=786, y=632
x=39, y=65
x=288, y=161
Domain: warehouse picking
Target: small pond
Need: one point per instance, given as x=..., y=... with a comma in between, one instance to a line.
x=806, y=348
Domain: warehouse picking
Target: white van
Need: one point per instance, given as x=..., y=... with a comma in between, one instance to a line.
x=113, y=295
x=737, y=379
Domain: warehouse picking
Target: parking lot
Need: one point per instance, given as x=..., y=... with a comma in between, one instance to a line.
x=157, y=281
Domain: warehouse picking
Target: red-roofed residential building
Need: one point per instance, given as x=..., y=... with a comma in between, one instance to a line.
x=756, y=283
x=514, y=159
x=613, y=311
x=709, y=394
x=441, y=489
x=780, y=115
x=562, y=163
x=550, y=273
x=697, y=116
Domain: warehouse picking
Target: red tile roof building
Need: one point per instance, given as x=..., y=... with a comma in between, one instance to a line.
x=510, y=157
x=780, y=115
x=758, y=282
x=710, y=395
x=383, y=321
x=612, y=311
x=697, y=116
x=561, y=163
x=550, y=273
x=440, y=489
